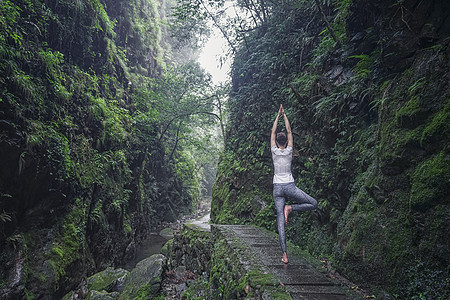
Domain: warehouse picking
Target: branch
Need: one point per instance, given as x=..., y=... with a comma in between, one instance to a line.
x=296, y=93
x=185, y=115
x=219, y=27
x=176, y=141
x=303, y=45
x=324, y=17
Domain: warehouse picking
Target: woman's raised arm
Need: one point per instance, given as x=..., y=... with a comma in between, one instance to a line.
x=274, y=128
x=290, y=137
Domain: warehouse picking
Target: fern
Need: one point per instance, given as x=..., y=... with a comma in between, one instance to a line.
x=5, y=217
x=364, y=65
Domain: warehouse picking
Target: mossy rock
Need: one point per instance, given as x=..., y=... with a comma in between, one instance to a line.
x=410, y=115
x=429, y=182
x=144, y=281
x=102, y=295
x=69, y=296
x=437, y=129
x=400, y=148
x=167, y=248
x=167, y=233
x=108, y=280
x=248, y=278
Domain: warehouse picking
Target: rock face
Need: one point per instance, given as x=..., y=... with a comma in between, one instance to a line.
x=371, y=120
x=78, y=178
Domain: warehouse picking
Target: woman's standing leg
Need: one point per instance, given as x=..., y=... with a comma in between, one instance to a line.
x=279, y=205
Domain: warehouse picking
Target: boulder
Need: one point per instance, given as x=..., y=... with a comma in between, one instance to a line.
x=110, y=280
x=167, y=248
x=167, y=233
x=145, y=279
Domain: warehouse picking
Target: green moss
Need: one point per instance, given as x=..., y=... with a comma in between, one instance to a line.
x=29, y=295
x=398, y=147
x=70, y=295
x=409, y=110
x=429, y=182
x=127, y=227
x=143, y=292
x=106, y=279
x=167, y=248
x=375, y=236
x=68, y=244
x=263, y=281
x=257, y=277
x=196, y=291
x=439, y=124
x=435, y=237
x=221, y=206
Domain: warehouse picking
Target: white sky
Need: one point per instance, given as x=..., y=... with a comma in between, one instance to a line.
x=210, y=54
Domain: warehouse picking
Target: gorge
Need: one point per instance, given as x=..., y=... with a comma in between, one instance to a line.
x=109, y=128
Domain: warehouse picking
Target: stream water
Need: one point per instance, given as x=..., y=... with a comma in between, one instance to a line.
x=151, y=245
x=154, y=242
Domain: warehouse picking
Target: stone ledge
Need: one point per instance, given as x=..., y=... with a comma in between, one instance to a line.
x=237, y=272
x=244, y=262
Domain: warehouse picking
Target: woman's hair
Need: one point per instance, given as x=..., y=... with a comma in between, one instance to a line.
x=281, y=139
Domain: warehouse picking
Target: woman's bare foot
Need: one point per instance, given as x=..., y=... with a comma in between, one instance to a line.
x=287, y=211
x=285, y=258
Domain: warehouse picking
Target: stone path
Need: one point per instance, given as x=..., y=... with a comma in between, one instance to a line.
x=202, y=222
x=302, y=279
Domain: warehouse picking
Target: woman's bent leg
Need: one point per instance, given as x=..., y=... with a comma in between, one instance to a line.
x=304, y=201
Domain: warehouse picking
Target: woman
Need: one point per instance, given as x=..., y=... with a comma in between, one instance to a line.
x=283, y=181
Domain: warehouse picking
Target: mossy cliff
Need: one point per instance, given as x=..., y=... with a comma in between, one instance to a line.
x=83, y=171
x=368, y=99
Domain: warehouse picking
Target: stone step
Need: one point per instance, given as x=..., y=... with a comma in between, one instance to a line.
x=302, y=279
x=314, y=289
x=318, y=296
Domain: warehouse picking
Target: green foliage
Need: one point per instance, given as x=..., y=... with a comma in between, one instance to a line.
x=5, y=217
x=370, y=140
x=432, y=283
x=10, y=16
x=105, y=130
x=69, y=242
x=190, y=23
x=438, y=125
x=363, y=67
x=427, y=187
x=103, y=23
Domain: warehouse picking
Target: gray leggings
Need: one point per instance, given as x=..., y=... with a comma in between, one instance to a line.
x=305, y=202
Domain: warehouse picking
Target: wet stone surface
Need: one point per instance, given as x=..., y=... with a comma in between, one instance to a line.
x=301, y=278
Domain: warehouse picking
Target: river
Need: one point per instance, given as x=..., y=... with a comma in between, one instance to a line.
x=149, y=246
x=154, y=241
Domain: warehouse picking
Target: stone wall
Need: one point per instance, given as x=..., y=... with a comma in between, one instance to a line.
x=191, y=248
x=227, y=269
